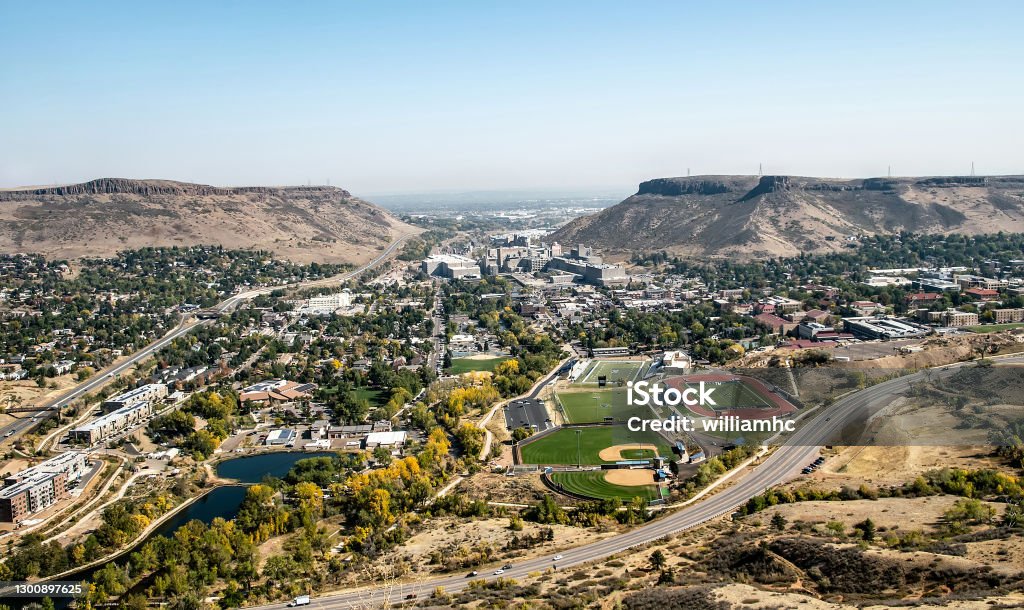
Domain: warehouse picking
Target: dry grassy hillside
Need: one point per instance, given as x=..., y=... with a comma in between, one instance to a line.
x=751, y=217
x=100, y=217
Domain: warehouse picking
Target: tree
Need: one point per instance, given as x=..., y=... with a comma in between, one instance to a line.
x=867, y=529
x=778, y=522
x=658, y=560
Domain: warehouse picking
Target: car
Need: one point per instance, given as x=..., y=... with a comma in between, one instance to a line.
x=507, y=566
x=472, y=574
x=410, y=596
x=9, y=433
x=556, y=558
x=499, y=572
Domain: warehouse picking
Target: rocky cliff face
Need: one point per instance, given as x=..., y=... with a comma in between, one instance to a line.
x=750, y=216
x=147, y=188
x=100, y=217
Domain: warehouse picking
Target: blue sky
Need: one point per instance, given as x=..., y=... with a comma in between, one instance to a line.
x=385, y=97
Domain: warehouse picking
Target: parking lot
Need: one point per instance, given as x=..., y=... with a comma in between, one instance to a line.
x=527, y=413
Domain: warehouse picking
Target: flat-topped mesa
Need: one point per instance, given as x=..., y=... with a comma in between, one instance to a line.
x=769, y=184
x=126, y=186
x=674, y=187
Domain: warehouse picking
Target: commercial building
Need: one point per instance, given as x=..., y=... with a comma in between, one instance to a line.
x=884, y=328
x=391, y=440
x=150, y=392
x=283, y=436
x=111, y=423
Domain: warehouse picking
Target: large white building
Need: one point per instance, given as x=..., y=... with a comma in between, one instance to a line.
x=450, y=266
x=328, y=303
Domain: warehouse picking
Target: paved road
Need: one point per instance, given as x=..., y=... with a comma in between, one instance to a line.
x=783, y=464
x=187, y=325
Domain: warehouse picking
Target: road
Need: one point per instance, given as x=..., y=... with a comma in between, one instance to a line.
x=782, y=465
x=185, y=327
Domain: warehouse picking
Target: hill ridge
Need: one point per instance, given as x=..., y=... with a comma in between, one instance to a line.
x=745, y=216
x=103, y=216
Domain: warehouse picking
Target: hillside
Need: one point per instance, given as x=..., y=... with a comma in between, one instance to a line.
x=751, y=217
x=98, y=218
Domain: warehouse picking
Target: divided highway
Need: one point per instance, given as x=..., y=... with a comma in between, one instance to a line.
x=186, y=326
x=780, y=466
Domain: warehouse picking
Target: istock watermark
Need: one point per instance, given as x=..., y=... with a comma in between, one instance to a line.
x=644, y=394
x=668, y=397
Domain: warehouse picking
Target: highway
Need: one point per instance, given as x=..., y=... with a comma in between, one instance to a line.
x=798, y=451
x=186, y=326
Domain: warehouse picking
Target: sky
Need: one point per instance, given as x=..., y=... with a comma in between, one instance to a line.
x=395, y=97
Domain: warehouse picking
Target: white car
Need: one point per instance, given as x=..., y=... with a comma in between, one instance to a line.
x=499, y=572
x=556, y=558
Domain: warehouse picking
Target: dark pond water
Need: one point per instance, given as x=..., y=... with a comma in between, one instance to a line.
x=252, y=469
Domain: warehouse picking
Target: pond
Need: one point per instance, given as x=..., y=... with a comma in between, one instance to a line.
x=252, y=469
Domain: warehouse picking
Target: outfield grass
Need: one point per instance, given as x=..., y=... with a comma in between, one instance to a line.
x=589, y=407
x=559, y=447
x=992, y=328
x=594, y=485
x=468, y=365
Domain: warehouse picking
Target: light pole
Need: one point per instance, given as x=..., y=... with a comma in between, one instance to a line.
x=579, y=461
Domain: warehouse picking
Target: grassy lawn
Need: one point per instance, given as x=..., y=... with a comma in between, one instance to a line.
x=593, y=484
x=468, y=365
x=559, y=447
x=372, y=395
x=993, y=328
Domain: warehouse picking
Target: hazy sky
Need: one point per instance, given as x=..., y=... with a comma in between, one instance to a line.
x=383, y=97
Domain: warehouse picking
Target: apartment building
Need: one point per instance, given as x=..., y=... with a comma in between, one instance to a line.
x=111, y=423
x=71, y=463
x=150, y=392
x=31, y=495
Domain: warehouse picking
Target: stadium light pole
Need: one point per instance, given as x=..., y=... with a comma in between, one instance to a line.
x=579, y=461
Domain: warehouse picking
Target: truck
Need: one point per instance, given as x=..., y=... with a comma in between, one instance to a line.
x=302, y=600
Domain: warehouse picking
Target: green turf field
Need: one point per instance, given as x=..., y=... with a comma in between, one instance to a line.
x=593, y=484
x=467, y=365
x=614, y=370
x=589, y=407
x=559, y=447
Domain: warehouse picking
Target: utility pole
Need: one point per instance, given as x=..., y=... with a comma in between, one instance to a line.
x=760, y=171
x=579, y=461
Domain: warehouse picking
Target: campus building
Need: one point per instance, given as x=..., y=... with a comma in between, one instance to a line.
x=883, y=328
x=31, y=495
x=450, y=266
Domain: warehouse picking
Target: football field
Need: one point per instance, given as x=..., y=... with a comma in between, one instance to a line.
x=614, y=371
